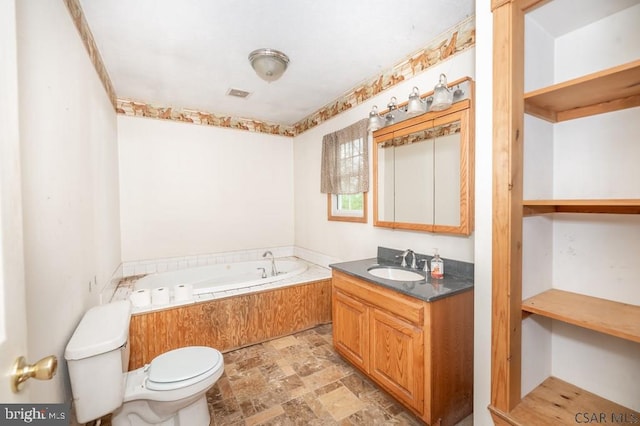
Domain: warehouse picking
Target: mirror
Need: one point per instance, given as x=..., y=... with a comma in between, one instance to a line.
x=405, y=178
x=423, y=173
x=446, y=170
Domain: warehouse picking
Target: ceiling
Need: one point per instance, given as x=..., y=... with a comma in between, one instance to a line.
x=188, y=54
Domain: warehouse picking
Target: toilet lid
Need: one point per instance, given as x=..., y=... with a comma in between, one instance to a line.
x=181, y=365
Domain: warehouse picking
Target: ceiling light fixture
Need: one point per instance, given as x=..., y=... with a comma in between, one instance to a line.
x=269, y=64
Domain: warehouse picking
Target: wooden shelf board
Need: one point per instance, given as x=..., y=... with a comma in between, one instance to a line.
x=604, y=91
x=556, y=402
x=613, y=206
x=604, y=316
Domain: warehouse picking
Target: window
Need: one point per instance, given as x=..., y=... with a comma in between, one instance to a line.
x=347, y=207
x=345, y=173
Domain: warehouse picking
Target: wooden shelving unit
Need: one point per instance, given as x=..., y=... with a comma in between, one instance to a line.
x=554, y=401
x=605, y=91
x=612, y=206
x=604, y=316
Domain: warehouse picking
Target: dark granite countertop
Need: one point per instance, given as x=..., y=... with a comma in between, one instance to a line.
x=429, y=289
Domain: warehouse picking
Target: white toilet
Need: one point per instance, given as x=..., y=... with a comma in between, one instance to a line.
x=170, y=391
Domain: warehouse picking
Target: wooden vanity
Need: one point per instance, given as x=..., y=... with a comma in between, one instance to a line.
x=421, y=352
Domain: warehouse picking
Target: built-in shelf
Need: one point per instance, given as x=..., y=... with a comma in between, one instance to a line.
x=604, y=316
x=613, y=206
x=604, y=91
x=556, y=402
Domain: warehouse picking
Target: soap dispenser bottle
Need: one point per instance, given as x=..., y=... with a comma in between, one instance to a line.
x=437, y=266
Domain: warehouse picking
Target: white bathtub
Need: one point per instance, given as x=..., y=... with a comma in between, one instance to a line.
x=221, y=277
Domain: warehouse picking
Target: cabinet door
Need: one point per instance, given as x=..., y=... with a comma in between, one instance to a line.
x=403, y=178
x=451, y=191
x=397, y=357
x=351, y=329
x=423, y=176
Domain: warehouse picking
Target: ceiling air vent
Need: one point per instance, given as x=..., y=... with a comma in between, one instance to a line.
x=238, y=93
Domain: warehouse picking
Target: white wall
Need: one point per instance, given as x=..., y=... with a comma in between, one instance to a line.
x=348, y=241
x=607, y=43
x=592, y=157
x=537, y=247
x=70, y=183
x=188, y=189
x=483, y=214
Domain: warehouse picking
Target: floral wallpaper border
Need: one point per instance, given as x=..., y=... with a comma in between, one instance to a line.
x=75, y=10
x=459, y=38
x=141, y=109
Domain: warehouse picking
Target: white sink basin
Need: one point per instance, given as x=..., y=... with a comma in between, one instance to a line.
x=395, y=274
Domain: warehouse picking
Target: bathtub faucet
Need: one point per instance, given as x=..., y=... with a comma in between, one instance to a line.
x=264, y=274
x=274, y=270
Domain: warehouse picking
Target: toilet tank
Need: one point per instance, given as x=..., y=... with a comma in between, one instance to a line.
x=97, y=357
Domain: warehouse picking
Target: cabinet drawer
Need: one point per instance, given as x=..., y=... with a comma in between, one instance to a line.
x=406, y=307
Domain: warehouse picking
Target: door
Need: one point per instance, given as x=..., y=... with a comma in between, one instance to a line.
x=13, y=328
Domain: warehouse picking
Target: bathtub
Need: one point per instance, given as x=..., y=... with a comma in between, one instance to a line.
x=186, y=283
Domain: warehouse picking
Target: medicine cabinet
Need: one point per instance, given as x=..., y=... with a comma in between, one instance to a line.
x=423, y=172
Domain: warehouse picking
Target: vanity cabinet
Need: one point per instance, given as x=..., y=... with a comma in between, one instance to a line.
x=423, y=172
x=419, y=352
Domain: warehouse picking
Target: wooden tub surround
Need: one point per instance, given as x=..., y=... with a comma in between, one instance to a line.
x=230, y=323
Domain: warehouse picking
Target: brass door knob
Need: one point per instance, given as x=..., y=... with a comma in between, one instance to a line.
x=44, y=369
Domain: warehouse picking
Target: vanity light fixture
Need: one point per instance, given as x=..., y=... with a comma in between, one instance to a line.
x=269, y=64
x=392, y=106
x=417, y=105
x=375, y=120
x=442, y=96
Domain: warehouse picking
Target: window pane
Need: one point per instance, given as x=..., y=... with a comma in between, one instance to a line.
x=349, y=203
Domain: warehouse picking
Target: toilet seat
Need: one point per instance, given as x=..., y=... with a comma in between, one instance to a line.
x=182, y=367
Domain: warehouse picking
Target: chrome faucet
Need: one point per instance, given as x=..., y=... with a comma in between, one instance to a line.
x=264, y=274
x=425, y=264
x=274, y=270
x=404, y=258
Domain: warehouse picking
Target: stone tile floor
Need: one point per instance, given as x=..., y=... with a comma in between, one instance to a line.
x=299, y=380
